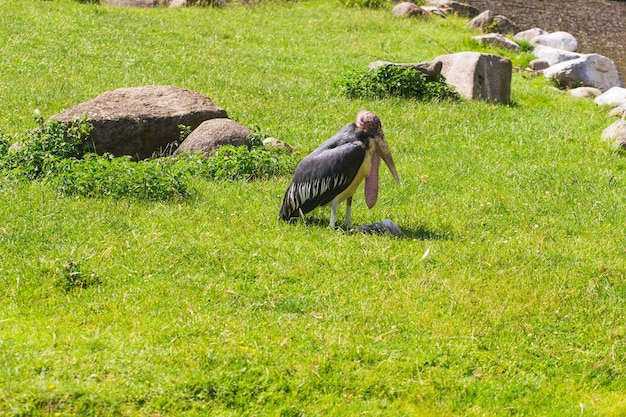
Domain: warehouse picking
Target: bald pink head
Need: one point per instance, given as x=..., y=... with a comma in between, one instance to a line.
x=368, y=121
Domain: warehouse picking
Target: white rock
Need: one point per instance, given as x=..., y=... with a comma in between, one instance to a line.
x=591, y=70
x=559, y=40
x=554, y=55
x=615, y=96
x=585, y=92
x=528, y=35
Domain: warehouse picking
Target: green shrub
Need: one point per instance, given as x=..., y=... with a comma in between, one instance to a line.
x=239, y=163
x=395, y=81
x=35, y=154
x=58, y=155
x=106, y=176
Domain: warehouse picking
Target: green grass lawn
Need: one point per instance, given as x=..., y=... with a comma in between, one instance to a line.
x=506, y=297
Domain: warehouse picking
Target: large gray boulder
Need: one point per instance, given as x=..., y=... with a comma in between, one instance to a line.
x=478, y=76
x=591, y=70
x=558, y=40
x=139, y=121
x=214, y=133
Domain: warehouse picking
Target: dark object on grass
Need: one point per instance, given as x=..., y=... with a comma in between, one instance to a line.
x=385, y=227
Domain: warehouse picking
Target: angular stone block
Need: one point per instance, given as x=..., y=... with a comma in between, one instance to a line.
x=478, y=76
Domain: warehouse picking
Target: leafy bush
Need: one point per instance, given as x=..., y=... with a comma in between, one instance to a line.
x=395, y=81
x=58, y=155
x=106, y=176
x=239, y=163
x=35, y=154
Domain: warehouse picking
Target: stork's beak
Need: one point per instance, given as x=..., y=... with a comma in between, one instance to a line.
x=385, y=154
x=371, y=182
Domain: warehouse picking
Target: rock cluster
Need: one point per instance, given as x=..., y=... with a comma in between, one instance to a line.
x=591, y=76
x=556, y=52
x=140, y=121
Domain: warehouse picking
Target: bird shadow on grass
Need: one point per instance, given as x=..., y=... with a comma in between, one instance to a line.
x=419, y=232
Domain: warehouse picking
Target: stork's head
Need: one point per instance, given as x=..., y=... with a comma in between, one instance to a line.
x=369, y=122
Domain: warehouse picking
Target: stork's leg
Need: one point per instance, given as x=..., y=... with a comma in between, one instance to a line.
x=349, y=213
x=333, y=213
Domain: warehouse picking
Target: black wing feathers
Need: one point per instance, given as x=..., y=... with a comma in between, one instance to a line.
x=325, y=172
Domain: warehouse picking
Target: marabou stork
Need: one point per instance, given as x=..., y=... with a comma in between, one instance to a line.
x=332, y=172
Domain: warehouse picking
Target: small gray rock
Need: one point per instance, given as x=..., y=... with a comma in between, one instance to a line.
x=538, y=64
x=497, y=40
x=214, y=133
x=455, y=7
x=487, y=21
x=529, y=34
x=409, y=9
x=553, y=55
x=435, y=10
x=276, y=143
x=585, y=92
